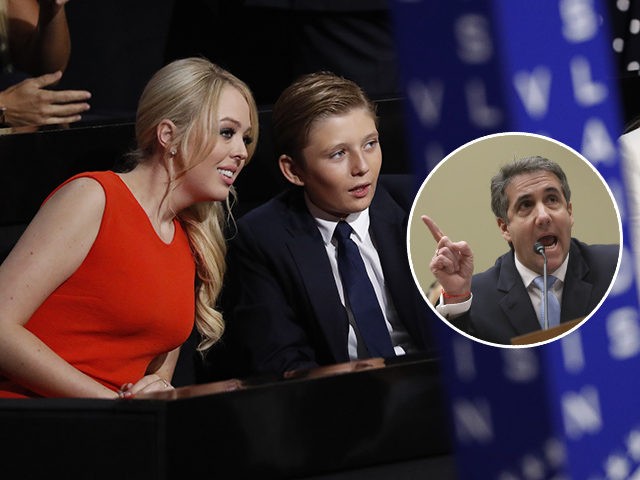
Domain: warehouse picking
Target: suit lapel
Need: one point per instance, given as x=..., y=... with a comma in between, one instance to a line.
x=521, y=314
x=309, y=254
x=387, y=230
x=515, y=304
x=577, y=292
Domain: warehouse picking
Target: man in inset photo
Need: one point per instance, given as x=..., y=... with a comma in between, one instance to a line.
x=508, y=303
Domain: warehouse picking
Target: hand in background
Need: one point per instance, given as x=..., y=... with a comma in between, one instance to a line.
x=30, y=103
x=452, y=264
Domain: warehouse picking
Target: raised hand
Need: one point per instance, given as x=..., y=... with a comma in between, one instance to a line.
x=452, y=264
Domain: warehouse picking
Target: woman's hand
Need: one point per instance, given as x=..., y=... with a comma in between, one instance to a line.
x=147, y=384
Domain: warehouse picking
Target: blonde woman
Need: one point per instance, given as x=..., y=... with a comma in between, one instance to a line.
x=98, y=294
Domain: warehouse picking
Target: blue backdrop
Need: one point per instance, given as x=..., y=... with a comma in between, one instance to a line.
x=571, y=408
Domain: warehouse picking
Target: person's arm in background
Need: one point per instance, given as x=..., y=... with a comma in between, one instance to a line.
x=39, y=39
x=31, y=103
x=39, y=45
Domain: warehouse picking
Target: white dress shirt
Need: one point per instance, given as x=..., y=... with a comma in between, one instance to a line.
x=359, y=222
x=535, y=294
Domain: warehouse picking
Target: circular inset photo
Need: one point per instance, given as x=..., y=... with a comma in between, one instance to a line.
x=514, y=239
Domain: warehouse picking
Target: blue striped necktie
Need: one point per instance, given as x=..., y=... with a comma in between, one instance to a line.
x=552, y=301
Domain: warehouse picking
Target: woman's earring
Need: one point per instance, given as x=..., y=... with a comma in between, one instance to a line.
x=172, y=152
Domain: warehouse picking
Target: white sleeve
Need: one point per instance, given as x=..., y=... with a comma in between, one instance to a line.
x=453, y=310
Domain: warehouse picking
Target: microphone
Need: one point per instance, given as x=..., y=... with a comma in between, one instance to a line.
x=539, y=249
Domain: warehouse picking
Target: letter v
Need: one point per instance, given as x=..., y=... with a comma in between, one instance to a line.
x=533, y=89
x=427, y=100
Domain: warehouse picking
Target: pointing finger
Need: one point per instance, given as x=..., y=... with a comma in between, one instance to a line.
x=433, y=228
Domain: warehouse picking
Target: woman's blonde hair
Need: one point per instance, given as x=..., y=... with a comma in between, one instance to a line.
x=187, y=92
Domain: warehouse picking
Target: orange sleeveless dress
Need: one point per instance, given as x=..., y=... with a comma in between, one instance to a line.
x=131, y=299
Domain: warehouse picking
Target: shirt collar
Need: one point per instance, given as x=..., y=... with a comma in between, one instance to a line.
x=327, y=223
x=529, y=275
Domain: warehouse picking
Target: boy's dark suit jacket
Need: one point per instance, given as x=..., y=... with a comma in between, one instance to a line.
x=280, y=299
x=501, y=308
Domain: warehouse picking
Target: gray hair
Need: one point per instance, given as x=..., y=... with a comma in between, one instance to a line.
x=499, y=183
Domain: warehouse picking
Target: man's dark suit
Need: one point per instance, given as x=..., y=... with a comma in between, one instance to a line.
x=501, y=308
x=280, y=299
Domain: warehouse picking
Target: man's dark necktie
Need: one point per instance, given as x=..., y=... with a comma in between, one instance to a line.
x=361, y=296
